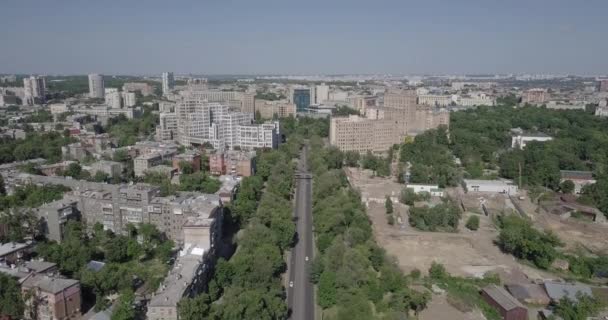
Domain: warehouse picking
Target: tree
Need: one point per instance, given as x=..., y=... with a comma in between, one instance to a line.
x=351, y=159
x=388, y=204
x=473, y=223
x=408, y=196
x=2, y=187
x=581, y=309
x=327, y=294
x=11, y=301
x=186, y=167
x=437, y=271
x=124, y=309
x=194, y=308
x=73, y=170
x=567, y=186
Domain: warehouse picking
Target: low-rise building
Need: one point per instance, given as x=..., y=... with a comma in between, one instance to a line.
x=508, y=307
x=142, y=163
x=493, y=186
x=111, y=168
x=535, y=96
x=520, y=139
x=579, y=178
x=271, y=109
x=235, y=163
x=431, y=189
x=51, y=297
x=13, y=252
x=191, y=157
x=558, y=290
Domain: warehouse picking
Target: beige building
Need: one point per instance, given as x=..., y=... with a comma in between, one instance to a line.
x=535, y=96
x=384, y=126
x=268, y=109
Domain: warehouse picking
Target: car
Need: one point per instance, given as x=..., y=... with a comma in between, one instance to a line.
x=291, y=284
x=306, y=258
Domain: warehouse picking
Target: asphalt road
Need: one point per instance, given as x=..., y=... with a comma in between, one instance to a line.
x=300, y=299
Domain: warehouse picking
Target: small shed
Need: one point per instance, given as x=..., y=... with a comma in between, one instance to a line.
x=508, y=307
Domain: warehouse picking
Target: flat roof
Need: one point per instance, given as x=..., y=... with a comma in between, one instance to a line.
x=488, y=182
x=557, y=290
x=574, y=174
x=49, y=284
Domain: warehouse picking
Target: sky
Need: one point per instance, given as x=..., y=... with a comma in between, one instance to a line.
x=304, y=37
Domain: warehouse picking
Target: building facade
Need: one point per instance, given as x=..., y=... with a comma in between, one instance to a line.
x=34, y=89
x=301, y=98
x=168, y=82
x=96, y=86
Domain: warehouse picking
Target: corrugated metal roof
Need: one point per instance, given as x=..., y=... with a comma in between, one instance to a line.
x=502, y=297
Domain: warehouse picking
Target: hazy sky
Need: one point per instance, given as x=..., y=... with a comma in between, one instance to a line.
x=304, y=37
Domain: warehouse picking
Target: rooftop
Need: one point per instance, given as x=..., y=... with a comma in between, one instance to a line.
x=11, y=247
x=48, y=284
x=502, y=297
x=488, y=182
x=179, y=278
x=557, y=290
x=576, y=175
x=39, y=266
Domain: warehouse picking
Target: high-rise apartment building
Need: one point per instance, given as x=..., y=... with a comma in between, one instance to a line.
x=301, y=98
x=34, y=89
x=168, y=82
x=129, y=99
x=603, y=85
x=96, y=86
x=113, y=99
x=167, y=127
x=321, y=93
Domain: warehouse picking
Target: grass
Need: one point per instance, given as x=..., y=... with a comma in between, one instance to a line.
x=464, y=293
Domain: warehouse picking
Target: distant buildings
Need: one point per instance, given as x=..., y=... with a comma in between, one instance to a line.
x=113, y=99
x=301, y=98
x=200, y=122
x=321, y=93
x=168, y=82
x=535, y=96
x=144, y=88
x=384, y=126
x=96, y=86
x=129, y=99
x=34, y=89
x=602, y=85
x=271, y=109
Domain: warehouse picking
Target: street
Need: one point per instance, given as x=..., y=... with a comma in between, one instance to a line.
x=300, y=298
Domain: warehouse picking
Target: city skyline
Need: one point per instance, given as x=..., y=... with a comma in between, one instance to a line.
x=272, y=37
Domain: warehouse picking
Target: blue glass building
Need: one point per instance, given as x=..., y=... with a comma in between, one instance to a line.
x=301, y=98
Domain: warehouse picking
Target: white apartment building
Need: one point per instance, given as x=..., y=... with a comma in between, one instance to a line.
x=435, y=100
x=168, y=82
x=479, y=99
x=113, y=98
x=253, y=136
x=223, y=133
x=96, y=86
x=129, y=99
x=34, y=89
x=167, y=127
x=321, y=93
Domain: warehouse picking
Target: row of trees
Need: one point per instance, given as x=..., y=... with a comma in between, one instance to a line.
x=441, y=217
x=249, y=284
x=354, y=276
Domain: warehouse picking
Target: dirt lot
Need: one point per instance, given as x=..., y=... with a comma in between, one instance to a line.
x=467, y=253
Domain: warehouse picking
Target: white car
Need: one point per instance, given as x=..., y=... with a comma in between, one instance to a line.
x=291, y=284
x=306, y=258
